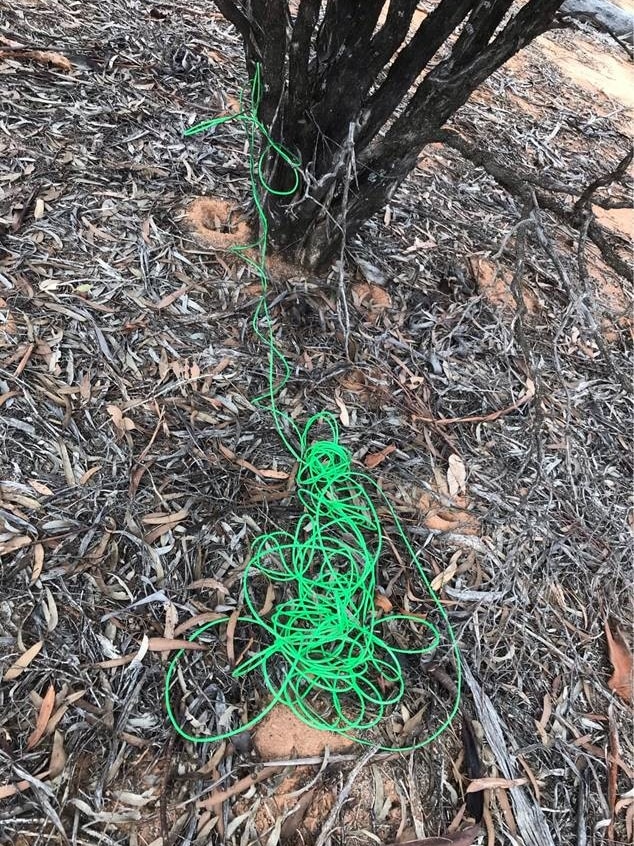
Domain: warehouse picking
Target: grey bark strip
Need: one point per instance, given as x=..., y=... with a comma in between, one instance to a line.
x=603, y=15
x=530, y=818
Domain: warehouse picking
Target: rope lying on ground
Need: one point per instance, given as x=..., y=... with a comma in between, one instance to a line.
x=330, y=655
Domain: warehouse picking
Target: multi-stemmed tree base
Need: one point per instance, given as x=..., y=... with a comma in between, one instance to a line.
x=356, y=88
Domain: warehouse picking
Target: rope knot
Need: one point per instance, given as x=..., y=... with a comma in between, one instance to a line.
x=324, y=463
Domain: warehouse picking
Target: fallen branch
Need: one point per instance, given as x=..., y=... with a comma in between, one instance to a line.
x=18, y=218
x=585, y=200
x=529, y=815
x=240, y=786
x=520, y=184
x=342, y=796
x=603, y=15
x=479, y=418
x=14, y=50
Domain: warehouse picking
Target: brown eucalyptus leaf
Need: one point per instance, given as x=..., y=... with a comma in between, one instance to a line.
x=19, y=666
x=466, y=837
x=44, y=715
x=622, y=679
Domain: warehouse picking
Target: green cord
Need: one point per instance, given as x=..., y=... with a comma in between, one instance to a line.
x=329, y=656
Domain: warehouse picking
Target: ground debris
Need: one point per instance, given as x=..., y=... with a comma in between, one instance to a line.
x=484, y=394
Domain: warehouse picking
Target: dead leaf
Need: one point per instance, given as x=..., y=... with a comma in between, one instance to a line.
x=135, y=479
x=494, y=783
x=531, y=777
x=344, y=416
x=38, y=211
x=413, y=724
x=54, y=721
x=218, y=797
x=14, y=544
x=166, y=522
x=456, y=476
x=212, y=584
x=171, y=298
x=198, y=620
x=8, y=790
x=181, y=368
x=90, y=473
x=381, y=601
x=269, y=601
x=228, y=454
x=373, y=460
x=111, y=663
x=370, y=272
x=85, y=388
x=159, y=518
x=58, y=756
x=10, y=496
x=122, y=424
x=152, y=644
x=541, y=724
x=6, y=396
x=445, y=577
x=171, y=619
x=621, y=681
x=459, y=838
x=271, y=474
x=40, y=488
x=142, y=650
x=159, y=531
x=38, y=562
x=44, y=715
x=161, y=644
x=231, y=630
x=246, y=465
x=291, y=825
x=49, y=610
x=23, y=661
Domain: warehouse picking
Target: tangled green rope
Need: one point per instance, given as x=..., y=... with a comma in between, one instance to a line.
x=331, y=656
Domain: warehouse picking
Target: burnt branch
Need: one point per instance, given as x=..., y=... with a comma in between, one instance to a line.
x=602, y=238
x=299, y=59
x=520, y=184
x=482, y=23
x=604, y=181
x=434, y=30
x=236, y=16
x=271, y=32
x=450, y=84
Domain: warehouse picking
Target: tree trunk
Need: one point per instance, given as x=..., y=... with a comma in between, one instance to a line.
x=344, y=84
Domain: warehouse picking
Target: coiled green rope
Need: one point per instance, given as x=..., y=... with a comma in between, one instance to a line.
x=330, y=656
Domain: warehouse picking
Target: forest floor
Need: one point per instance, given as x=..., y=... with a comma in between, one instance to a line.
x=489, y=400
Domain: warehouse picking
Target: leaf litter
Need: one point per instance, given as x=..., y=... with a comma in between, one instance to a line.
x=136, y=471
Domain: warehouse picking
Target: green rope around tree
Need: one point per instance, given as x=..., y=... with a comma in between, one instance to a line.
x=330, y=656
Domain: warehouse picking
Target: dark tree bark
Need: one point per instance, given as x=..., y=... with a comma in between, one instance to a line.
x=350, y=77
